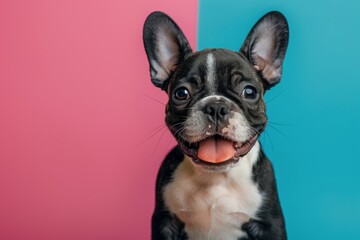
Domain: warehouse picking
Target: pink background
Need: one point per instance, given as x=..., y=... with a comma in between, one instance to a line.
x=80, y=135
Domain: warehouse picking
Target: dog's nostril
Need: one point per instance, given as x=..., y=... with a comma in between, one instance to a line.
x=210, y=109
x=217, y=110
x=223, y=111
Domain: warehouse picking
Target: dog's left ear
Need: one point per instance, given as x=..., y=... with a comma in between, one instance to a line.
x=166, y=46
x=265, y=47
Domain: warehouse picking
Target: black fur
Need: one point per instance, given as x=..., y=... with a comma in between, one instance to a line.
x=162, y=218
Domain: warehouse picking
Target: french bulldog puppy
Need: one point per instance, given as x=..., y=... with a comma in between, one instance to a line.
x=217, y=183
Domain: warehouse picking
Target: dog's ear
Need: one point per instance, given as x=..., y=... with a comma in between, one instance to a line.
x=166, y=46
x=265, y=47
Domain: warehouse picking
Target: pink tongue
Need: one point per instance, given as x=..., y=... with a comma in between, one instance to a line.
x=216, y=150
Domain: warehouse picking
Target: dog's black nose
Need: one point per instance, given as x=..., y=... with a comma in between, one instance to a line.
x=216, y=111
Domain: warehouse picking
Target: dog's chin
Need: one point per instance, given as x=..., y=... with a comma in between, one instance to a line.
x=240, y=149
x=216, y=167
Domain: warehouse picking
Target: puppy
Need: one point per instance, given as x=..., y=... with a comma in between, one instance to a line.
x=217, y=182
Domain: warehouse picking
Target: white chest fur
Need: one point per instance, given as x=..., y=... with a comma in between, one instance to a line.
x=214, y=205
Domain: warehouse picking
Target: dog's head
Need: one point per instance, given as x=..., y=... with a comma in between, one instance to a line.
x=216, y=108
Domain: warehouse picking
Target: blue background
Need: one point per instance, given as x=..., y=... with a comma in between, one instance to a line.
x=314, y=113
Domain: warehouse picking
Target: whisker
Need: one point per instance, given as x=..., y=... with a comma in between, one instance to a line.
x=176, y=132
x=278, y=131
x=156, y=128
x=155, y=100
x=281, y=124
x=254, y=131
x=171, y=140
x=179, y=131
x=174, y=125
x=272, y=99
x=271, y=143
x=151, y=136
x=157, y=144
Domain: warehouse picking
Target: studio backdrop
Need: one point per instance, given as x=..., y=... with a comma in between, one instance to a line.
x=82, y=133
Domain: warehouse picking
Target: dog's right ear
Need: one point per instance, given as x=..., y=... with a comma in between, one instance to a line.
x=265, y=47
x=165, y=45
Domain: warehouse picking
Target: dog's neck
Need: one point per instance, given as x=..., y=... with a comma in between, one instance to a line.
x=207, y=201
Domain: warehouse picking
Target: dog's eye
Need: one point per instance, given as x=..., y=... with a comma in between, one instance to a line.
x=181, y=93
x=250, y=93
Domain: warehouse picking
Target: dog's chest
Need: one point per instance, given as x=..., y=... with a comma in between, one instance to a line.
x=213, y=205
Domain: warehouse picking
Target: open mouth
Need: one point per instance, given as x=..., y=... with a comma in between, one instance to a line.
x=217, y=150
